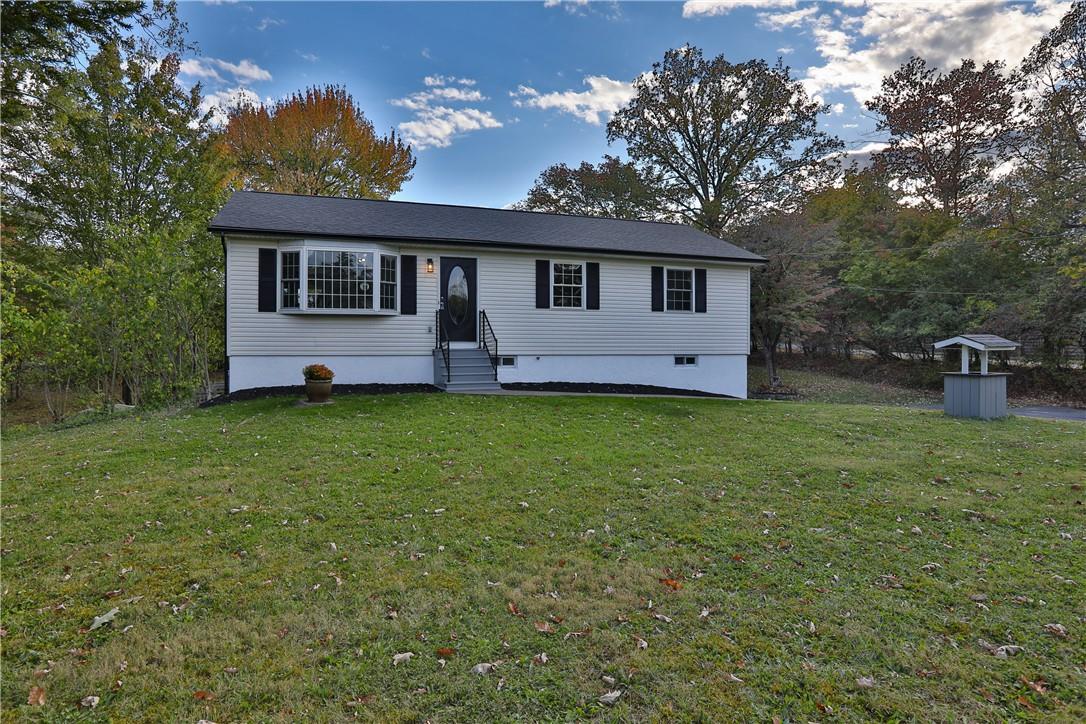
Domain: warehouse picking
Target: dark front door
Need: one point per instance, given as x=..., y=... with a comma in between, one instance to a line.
x=458, y=304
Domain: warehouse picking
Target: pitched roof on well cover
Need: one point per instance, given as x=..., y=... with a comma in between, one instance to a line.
x=991, y=342
x=324, y=216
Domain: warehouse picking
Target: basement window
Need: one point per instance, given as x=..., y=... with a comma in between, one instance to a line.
x=507, y=361
x=685, y=360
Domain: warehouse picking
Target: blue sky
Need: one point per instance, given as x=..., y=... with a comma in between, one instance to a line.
x=491, y=93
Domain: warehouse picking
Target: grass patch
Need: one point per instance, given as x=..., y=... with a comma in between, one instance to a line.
x=211, y=531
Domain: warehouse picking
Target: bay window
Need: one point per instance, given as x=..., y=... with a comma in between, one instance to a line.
x=337, y=279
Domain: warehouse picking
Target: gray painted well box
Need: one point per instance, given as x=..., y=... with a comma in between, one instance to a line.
x=980, y=395
x=975, y=395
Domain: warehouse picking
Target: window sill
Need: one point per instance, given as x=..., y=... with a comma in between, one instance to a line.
x=342, y=312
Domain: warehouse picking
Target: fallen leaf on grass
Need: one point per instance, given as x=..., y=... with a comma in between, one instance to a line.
x=540, y=659
x=641, y=643
x=661, y=617
x=513, y=608
x=89, y=702
x=1026, y=703
x=1056, y=630
x=36, y=697
x=361, y=700
x=866, y=682
x=202, y=695
x=107, y=617
x=445, y=652
x=671, y=583
x=403, y=658
x=543, y=627
x=1040, y=686
x=483, y=669
x=577, y=634
x=610, y=697
x=732, y=679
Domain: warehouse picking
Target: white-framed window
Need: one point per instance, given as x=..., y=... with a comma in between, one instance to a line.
x=686, y=360
x=567, y=284
x=290, y=279
x=388, y=281
x=337, y=278
x=679, y=290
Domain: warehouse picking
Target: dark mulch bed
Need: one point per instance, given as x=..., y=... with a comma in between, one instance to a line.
x=296, y=390
x=605, y=388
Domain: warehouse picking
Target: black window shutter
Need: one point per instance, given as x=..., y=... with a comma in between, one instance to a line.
x=592, y=285
x=699, y=290
x=409, y=274
x=657, y=289
x=265, y=280
x=542, y=284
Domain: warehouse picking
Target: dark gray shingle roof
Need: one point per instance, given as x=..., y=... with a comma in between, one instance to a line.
x=323, y=216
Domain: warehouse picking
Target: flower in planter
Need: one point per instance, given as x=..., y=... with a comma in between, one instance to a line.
x=317, y=373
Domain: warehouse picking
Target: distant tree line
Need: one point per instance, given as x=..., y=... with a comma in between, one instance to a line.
x=972, y=217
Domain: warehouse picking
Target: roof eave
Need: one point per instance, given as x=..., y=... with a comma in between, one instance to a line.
x=220, y=229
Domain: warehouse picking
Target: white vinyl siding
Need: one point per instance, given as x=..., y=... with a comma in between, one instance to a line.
x=624, y=325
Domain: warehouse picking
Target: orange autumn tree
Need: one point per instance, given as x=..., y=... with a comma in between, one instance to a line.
x=316, y=142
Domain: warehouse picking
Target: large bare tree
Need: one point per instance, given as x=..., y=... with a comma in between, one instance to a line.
x=946, y=130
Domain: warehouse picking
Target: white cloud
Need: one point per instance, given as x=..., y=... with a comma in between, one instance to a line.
x=780, y=21
x=435, y=124
x=437, y=80
x=785, y=50
x=838, y=108
x=199, y=69
x=860, y=47
x=221, y=102
x=245, y=71
x=604, y=96
x=266, y=23
x=311, y=57
x=861, y=155
x=611, y=10
x=694, y=8
x=422, y=99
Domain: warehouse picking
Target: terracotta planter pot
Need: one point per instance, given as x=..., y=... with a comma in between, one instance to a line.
x=318, y=390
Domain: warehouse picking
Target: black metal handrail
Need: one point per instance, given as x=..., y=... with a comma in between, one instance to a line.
x=441, y=342
x=488, y=341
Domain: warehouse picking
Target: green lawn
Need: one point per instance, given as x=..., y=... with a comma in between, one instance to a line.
x=268, y=562
x=815, y=386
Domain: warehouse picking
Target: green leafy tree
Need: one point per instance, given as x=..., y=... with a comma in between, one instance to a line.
x=728, y=141
x=785, y=292
x=317, y=142
x=613, y=188
x=116, y=198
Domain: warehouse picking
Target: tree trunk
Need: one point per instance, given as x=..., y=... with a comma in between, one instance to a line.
x=769, y=354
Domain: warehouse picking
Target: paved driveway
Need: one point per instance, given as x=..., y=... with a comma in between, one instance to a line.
x=1050, y=413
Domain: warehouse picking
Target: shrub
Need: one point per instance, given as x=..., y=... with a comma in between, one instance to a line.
x=317, y=373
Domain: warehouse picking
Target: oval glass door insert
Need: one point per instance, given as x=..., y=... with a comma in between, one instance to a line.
x=456, y=296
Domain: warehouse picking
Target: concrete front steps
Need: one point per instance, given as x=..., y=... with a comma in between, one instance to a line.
x=471, y=371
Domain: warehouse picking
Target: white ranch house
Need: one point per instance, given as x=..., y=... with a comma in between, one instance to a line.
x=466, y=298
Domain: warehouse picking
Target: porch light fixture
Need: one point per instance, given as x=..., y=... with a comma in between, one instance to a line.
x=429, y=266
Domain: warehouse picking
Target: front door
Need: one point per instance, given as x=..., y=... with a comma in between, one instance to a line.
x=458, y=303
